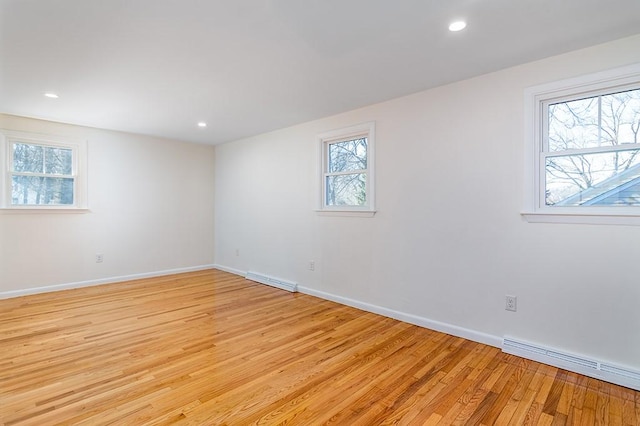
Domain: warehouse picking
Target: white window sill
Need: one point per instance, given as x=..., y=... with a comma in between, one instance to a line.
x=347, y=213
x=585, y=218
x=42, y=210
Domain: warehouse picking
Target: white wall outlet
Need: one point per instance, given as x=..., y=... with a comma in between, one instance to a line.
x=312, y=265
x=511, y=303
x=237, y=252
x=99, y=258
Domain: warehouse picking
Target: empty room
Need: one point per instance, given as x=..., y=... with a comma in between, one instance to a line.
x=355, y=212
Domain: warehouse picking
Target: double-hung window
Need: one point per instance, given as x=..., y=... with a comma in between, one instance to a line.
x=42, y=172
x=347, y=169
x=585, y=148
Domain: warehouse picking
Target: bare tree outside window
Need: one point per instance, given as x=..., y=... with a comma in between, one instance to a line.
x=346, y=174
x=41, y=175
x=592, y=156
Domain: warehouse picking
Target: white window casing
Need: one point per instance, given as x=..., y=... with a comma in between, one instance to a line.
x=78, y=173
x=360, y=203
x=538, y=151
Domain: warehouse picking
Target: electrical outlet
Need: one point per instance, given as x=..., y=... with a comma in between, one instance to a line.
x=312, y=265
x=511, y=303
x=99, y=258
x=237, y=252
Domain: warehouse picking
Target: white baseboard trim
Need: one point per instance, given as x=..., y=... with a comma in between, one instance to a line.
x=88, y=283
x=453, y=330
x=598, y=369
x=233, y=271
x=608, y=372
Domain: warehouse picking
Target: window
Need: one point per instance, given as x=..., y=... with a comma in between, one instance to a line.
x=42, y=172
x=347, y=169
x=584, y=148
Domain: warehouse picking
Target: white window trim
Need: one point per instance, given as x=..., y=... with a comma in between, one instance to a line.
x=368, y=210
x=535, y=98
x=79, y=148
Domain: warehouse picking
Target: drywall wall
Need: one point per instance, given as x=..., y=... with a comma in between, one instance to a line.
x=448, y=241
x=150, y=211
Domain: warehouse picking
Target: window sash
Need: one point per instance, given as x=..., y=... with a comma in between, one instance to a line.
x=329, y=183
x=327, y=174
x=607, y=172
x=44, y=191
x=352, y=160
x=583, y=95
x=546, y=154
x=543, y=174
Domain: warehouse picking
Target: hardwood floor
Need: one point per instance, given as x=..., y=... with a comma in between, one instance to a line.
x=209, y=348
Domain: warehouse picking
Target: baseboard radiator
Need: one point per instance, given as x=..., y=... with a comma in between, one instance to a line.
x=599, y=370
x=273, y=282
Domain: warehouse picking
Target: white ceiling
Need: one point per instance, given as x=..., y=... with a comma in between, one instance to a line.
x=245, y=67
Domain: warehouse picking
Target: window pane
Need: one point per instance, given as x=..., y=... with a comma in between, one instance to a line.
x=27, y=158
x=348, y=155
x=58, y=161
x=574, y=125
x=605, y=179
x=346, y=190
x=34, y=190
x=621, y=117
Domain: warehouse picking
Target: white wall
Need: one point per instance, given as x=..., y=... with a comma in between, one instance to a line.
x=448, y=241
x=151, y=210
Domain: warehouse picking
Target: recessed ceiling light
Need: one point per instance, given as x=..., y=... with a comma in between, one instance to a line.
x=457, y=26
x=51, y=95
x=202, y=124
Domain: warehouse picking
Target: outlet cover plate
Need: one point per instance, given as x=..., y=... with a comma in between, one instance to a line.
x=511, y=303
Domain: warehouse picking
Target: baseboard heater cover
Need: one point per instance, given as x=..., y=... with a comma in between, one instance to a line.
x=600, y=370
x=274, y=282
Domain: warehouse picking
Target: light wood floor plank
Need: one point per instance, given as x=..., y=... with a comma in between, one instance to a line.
x=209, y=348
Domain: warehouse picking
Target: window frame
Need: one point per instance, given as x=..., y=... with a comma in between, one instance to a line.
x=537, y=100
x=78, y=173
x=364, y=130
